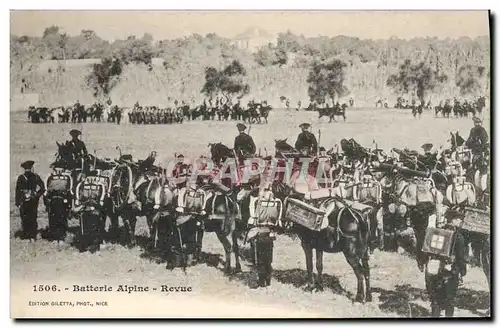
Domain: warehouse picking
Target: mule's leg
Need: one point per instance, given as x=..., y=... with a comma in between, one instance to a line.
x=114, y=226
x=199, y=243
x=319, y=268
x=130, y=224
x=485, y=263
x=435, y=310
x=308, y=251
x=343, y=115
x=227, y=250
x=354, y=262
x=365, y=262
x=236, y=251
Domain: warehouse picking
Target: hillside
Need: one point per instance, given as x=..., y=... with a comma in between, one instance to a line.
x=66, y=84
x=54, y=67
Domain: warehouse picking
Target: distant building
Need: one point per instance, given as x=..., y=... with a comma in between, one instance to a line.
x=254, y=38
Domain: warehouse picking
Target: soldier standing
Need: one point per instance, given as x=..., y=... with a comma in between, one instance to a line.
x=78, y=148
x=29, y=188
x=306, y=141
x=243, y=143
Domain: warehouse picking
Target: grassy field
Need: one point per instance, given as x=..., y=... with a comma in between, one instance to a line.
x=398, y=285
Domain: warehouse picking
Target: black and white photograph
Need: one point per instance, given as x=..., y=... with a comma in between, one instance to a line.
x=250, y=164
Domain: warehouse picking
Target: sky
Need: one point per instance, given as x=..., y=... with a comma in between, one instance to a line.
x=113, y=25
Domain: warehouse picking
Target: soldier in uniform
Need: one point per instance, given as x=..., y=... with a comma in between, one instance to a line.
x=428, y=159
x=29, y=188
x=243, y=143
x=306, y=141
x=181, y=172
x=79, y=149
x=478, y=137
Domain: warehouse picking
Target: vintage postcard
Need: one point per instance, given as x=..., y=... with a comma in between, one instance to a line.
x=250, y=164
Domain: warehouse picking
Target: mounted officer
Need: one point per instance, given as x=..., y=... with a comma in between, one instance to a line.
x=29, y=188
x=243, y=143
x=478, y=137
x=306, y=141
x=78, y=148
x=429, y=158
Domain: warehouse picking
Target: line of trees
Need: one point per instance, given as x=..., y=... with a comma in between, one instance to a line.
x=464, y=62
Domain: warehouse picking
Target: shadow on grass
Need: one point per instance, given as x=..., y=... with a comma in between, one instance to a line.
x=402, y=299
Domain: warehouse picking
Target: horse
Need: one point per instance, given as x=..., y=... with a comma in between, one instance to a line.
x=220, y=216
x=417, y=110
x=135, y=194
x=264, y=112
x=350, y=236
x=220, y=153
x=414, y=194
x=331, y=112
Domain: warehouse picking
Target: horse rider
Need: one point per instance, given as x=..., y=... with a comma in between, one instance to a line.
x=478, y=137
x=243, y=143
x=429, y=158
x=306, y=141
x=79, y=149
x=29, y=189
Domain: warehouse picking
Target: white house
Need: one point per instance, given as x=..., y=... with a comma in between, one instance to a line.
x=254, y=38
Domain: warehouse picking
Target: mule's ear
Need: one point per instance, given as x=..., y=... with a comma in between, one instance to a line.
x=285, y=140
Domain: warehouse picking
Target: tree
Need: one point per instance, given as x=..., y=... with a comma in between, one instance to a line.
x=418, y=78
x=326, y=80
x=136, y=51
x=104, y=76
x=228, y=81
x=468, y=77
x=55, y=42
x=26, y=51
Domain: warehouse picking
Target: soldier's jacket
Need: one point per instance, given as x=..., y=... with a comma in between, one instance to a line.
x=78, y=147
x=306, y=140
x=428, y=160
x=28, y=182
x=243, y=144
x=478, y=137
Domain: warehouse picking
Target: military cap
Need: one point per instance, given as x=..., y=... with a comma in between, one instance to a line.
x=180, y=156
x=241, y=126
x=476, y=120
x=305, y=125
x=427, y=146
x=27, y=165
x=74, y=133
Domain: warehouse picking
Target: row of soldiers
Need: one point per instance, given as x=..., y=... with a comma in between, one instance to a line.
x=155, y=115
